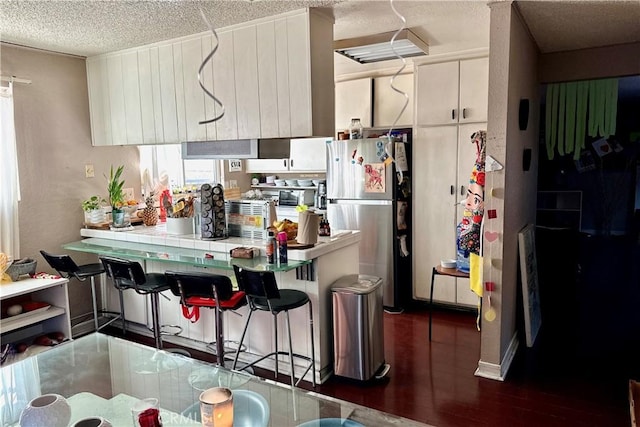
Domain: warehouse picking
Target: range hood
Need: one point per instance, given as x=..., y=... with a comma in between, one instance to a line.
x=377, y=47
x=236, y=149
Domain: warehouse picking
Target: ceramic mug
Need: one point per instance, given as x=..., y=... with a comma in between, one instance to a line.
x=51, y=410
x=93, y=422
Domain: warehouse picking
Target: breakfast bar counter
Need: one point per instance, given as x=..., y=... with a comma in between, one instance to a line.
x=311, y=270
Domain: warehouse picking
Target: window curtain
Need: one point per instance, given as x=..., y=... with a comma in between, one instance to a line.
x=9, y=184
x=19, y=383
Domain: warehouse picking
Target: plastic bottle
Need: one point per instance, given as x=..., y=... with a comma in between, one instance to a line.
x=282, y=247
x=271, y=248
x=355, y=129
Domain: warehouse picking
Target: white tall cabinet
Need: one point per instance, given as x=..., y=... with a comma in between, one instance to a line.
x=451, y=104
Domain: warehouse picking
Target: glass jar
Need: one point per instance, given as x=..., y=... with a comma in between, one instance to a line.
x=355, y=129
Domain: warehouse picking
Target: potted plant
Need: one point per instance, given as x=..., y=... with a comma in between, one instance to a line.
x=93, y=212
x=116, y=195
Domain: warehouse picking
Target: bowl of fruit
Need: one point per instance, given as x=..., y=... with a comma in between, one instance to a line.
x=288, y=226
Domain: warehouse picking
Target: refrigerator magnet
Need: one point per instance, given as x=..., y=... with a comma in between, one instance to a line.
x=374, y=178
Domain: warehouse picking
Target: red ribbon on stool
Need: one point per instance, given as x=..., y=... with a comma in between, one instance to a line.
x=191, y=313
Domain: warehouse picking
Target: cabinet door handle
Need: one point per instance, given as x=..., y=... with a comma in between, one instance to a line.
x=464, y=113
x=291, y=163
x=453, y=114
x=452, y=190
x=462, y=190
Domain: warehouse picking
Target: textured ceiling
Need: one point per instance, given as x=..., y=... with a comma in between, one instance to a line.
x=90, y=27
x=567, y=25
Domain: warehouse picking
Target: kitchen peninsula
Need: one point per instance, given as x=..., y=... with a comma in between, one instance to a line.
x=311, y=270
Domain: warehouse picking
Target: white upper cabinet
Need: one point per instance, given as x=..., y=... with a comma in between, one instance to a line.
x=131, y=93
x=274, y=77
x=474, y=90
x=453, y=92
x=193, y=95
x=387, y=103
x=268, y=81
x=99, y=110
x=245, y=66
x=308, y=155
x=353, y=99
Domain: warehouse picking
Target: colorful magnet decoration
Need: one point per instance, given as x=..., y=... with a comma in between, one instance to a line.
x=492, y=214
x=360, y=160
x=490, y=286
x=490, y=236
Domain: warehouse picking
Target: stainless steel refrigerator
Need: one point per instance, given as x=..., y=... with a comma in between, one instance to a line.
x=368, y=192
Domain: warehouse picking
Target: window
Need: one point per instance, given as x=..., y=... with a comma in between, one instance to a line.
x=159, y=159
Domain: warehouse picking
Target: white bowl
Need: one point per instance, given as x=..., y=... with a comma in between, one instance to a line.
x=305, y=182
x=280, y=182
x=291, y=182
x=448, y=263
x=318, y=181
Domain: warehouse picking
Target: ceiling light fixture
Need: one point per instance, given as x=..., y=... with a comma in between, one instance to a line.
x=377, y=47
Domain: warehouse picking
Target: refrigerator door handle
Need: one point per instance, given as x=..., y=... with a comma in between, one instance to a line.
x=462, y=190
x=452, y=190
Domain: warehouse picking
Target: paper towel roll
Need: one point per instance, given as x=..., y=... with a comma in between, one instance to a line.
x=308, y=224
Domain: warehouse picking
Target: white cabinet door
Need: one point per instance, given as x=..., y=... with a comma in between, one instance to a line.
x=267, y=79
x=474, y=90
x=434, y=234
x=437, y=93
x=267, y=165
x=193, y=94
x=225, y=87
x=353, y=99
x=245, y=65
x=211, y=109
x=179, y=91
x=131, y=91
x=387, y=103
x=116, y=100
x=99, y=110
x=299, y=51
x=282, y=77
x=308, y=155
x=147, y=113
x=167, y=94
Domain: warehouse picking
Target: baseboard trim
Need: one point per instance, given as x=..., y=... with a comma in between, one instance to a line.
x=499, y=372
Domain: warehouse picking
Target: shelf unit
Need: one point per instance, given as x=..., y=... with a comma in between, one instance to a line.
x=26, y=327
x=559, y=209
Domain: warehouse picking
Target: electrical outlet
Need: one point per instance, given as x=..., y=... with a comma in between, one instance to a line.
x=88, y=171
x=233, y=183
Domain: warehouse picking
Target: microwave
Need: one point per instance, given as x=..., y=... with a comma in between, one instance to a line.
x=295, y=197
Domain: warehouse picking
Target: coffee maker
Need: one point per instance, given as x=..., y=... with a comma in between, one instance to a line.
x=321, y=197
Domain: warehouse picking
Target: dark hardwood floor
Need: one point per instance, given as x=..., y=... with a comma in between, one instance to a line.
x=548, y=385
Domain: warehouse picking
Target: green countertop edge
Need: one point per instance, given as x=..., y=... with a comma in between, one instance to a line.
x=160, y=253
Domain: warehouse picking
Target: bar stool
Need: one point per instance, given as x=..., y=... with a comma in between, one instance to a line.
x=263, y=294
x=215, y=291
x=67, y=268
x=129, y=275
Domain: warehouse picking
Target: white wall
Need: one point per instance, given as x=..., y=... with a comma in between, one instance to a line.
x=54, y=144
x=512, y=77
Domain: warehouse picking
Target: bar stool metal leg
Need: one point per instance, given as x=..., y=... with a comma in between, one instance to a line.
x=313, y=347
x=244, y=332
x=433, y=276
x=157, y=334
x=122, y=317
x=219, y=320
x=290, y=348
x=95, y=303
x=275, y=334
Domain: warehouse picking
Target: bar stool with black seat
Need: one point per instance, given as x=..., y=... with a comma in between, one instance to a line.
x=127, y=274
x=67, y=268
x=263, y=294
x=199, y=289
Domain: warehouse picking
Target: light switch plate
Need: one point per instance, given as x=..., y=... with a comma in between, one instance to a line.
x=88, y=171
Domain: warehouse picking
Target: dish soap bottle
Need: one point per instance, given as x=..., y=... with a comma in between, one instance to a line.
x=355, y=129
x=282, y=247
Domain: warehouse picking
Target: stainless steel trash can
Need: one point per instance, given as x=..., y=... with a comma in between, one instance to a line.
x=358, y=329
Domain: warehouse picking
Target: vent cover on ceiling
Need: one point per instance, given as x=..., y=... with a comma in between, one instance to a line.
x=377, y=47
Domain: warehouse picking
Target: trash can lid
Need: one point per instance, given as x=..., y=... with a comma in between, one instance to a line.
x=356, y=284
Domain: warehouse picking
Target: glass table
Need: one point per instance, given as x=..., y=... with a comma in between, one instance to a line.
x=104, y=376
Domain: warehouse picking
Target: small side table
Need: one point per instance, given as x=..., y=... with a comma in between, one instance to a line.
x=439, y=270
